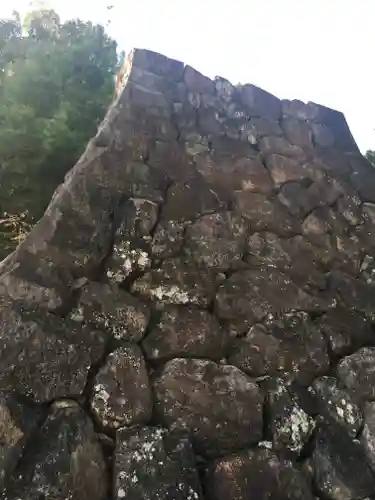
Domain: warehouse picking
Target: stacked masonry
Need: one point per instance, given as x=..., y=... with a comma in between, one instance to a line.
x=193, y=317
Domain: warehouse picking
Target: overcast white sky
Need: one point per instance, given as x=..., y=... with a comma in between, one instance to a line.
x=317, y=50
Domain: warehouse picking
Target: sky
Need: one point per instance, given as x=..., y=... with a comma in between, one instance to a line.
x=313, y=50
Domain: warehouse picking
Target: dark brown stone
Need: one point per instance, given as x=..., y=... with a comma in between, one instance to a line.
x=345, y=330
x=255, y=475
x=336, y=405
x=168, y=239
x=340, y=467
x=303, y=353
x=283, y=169
x=65, y=461
x=186, y=332
x=228, y=174
x=121, y=394
x=45, y=357
x=151, y=462
x=357, y=373
x=219, y=405
x=188, y=200
x=367, y=437
x=252, y=295
x=109, y=308
x=177, y=282
x=18, y=422
x=257, y=353
x=265, y=215
x=290, y=426
x=217, y=241
x=280, y=146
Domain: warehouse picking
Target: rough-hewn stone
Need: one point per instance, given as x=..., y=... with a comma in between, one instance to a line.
x=121, y=393
x=189, y=389
x=340, y=468
x=336, y=405
x=255, y=475
x=186, y=332
x=45, y=357
x=151, y=462
x=231, y=236
x=290, y=426
x=65, y=460
x=115, y=311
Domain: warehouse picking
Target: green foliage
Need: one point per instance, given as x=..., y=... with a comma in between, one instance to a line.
x=56, y=82
x=370, y=155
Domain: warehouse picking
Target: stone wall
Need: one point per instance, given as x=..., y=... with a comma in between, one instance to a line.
x=193, y=317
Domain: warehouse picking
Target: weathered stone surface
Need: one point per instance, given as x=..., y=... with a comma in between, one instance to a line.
x=186, y=332
x=188, y=200
x=367, y=437
x=168, y=239
x=297, y=132
x=345, y=330
x=18, y=421
x=302, y=198
x=229, y=173
x=340, y=468
x=213, y=224
x=303, y=355
x=336, y=405
x=177, y=282
x=265, y=215
x=354, y=293
x=294, y=256
x=290, y=426
x=121, y=394
x=260, y=102
x=257, y=353
x=65, y=461
x=357, y=373
x=280, y=146
x=153, y=463
x=363, y=177
x=219, y=405
x=252, y=295
x=112, y=309
x=283, y=169
x=135, y=221
x=217, y=241
x=255, y=475
x=45, y=357
x=297, y=109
